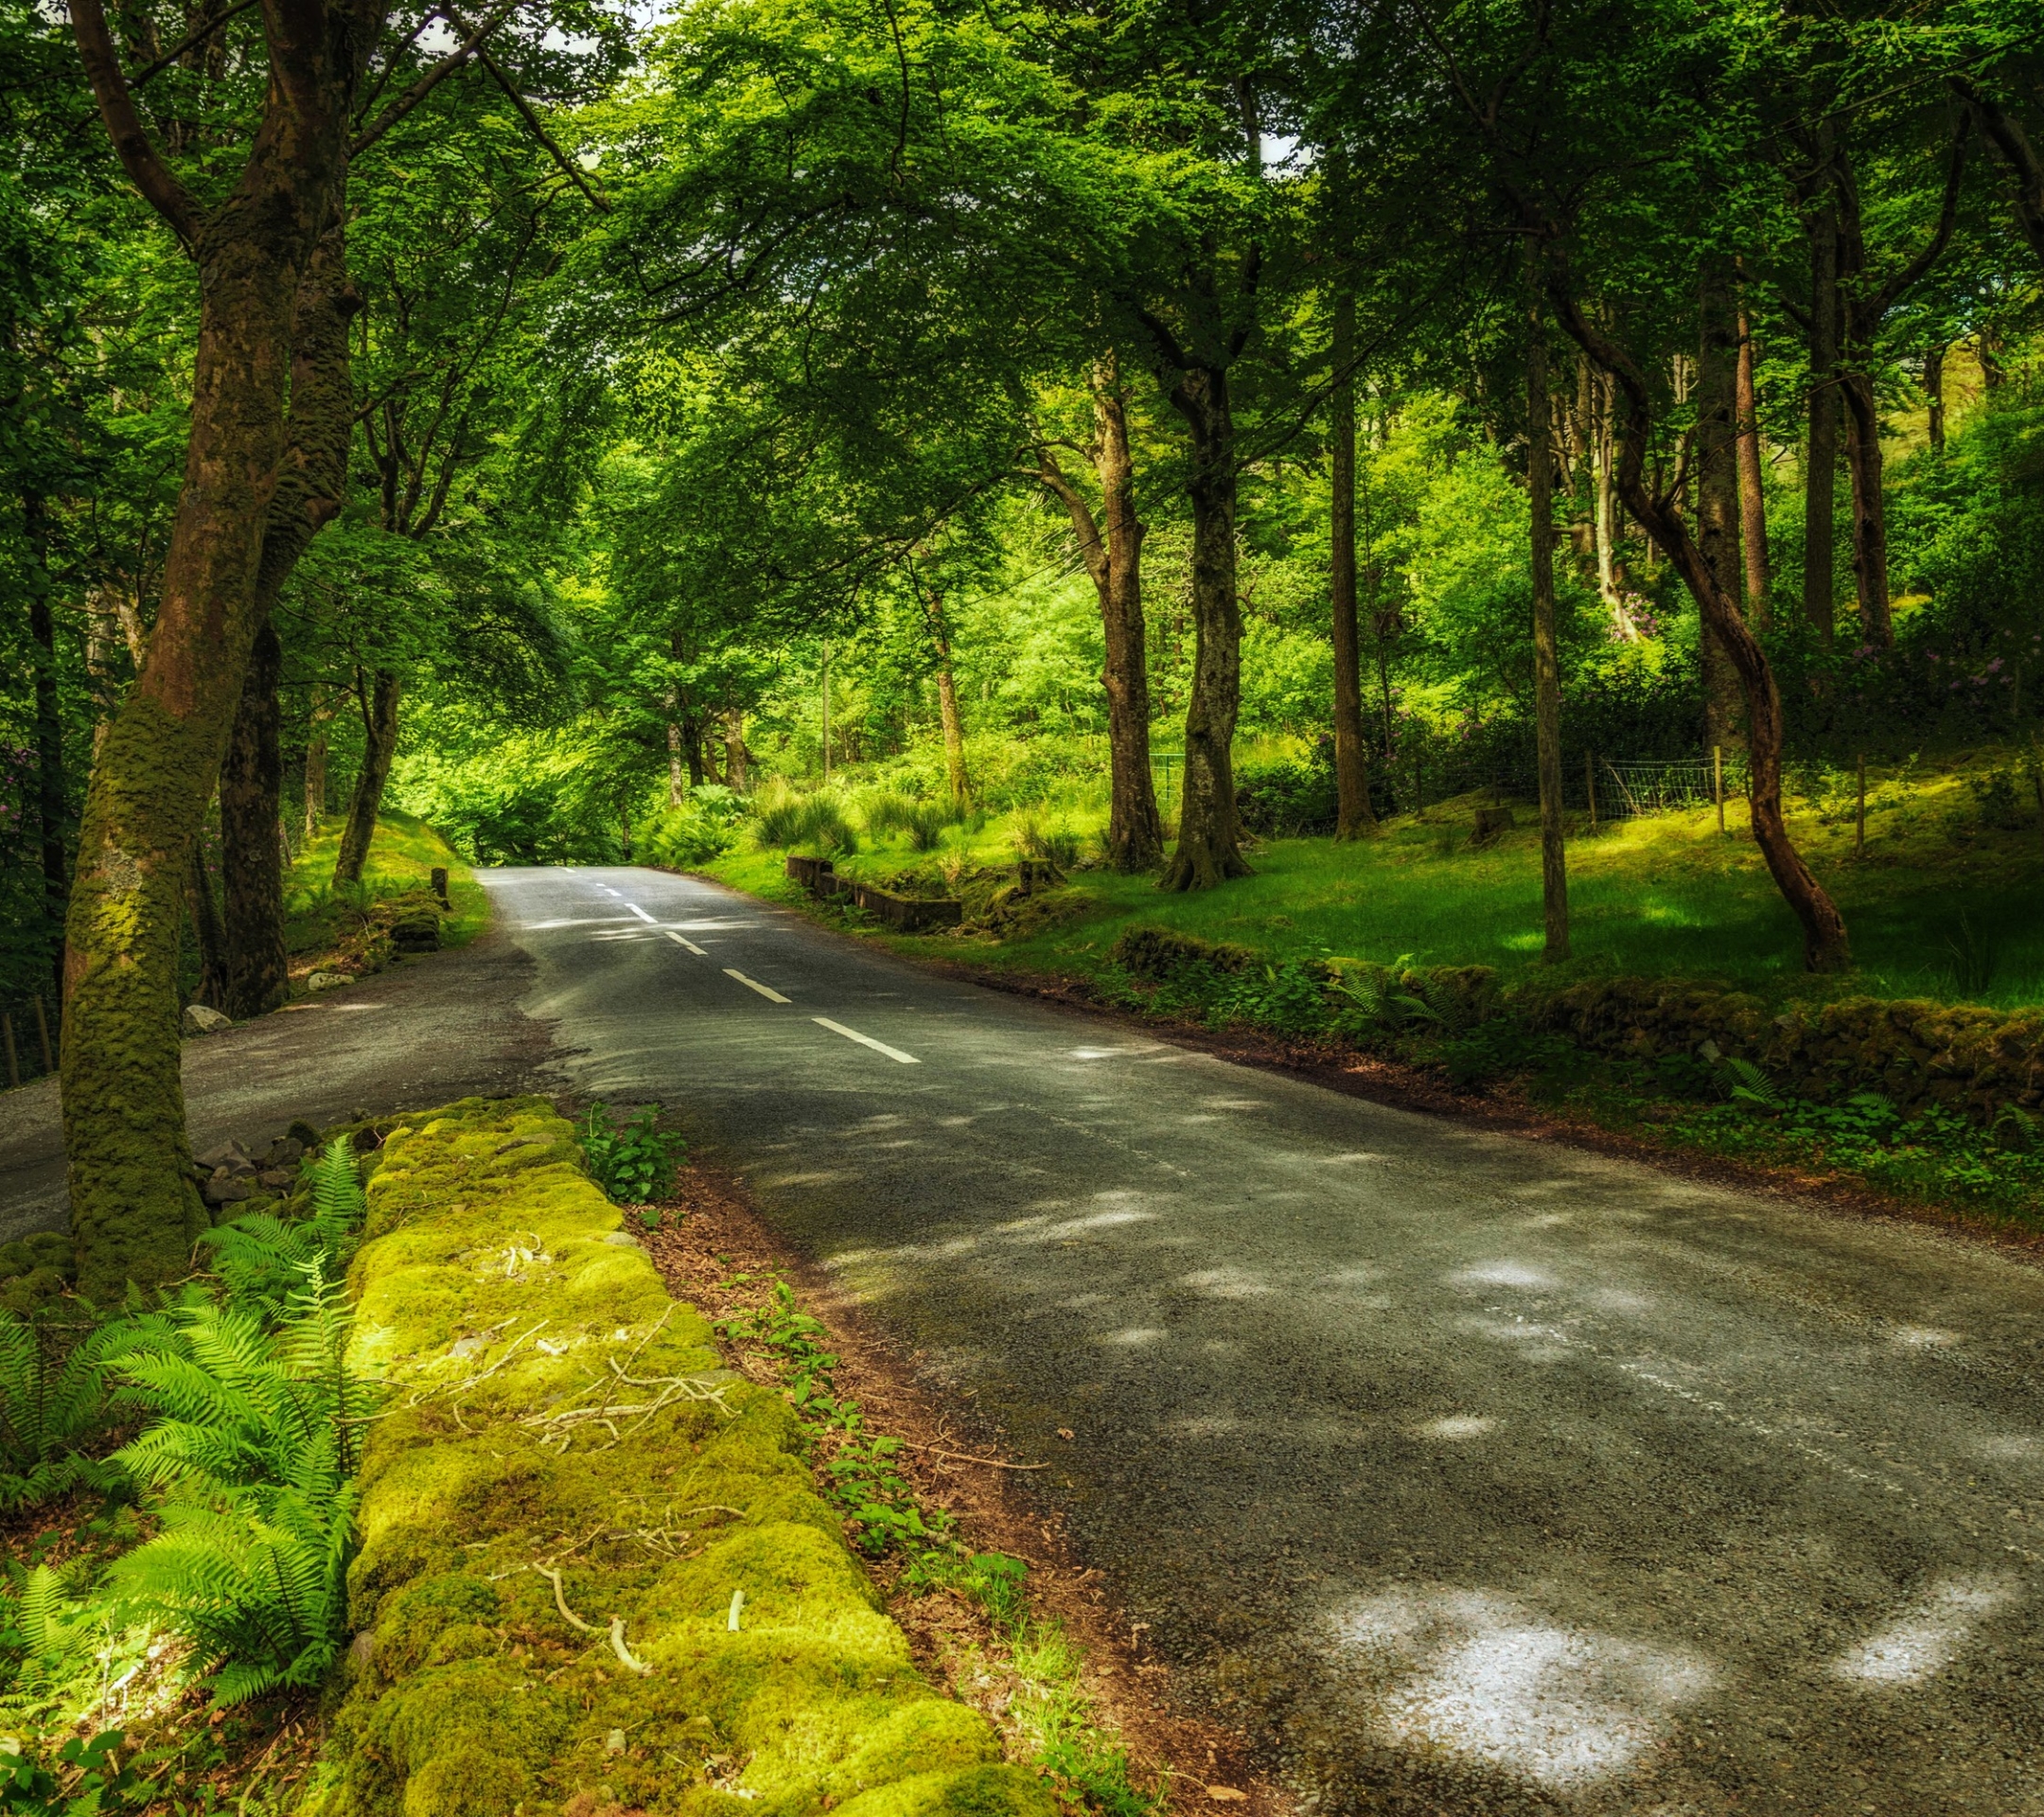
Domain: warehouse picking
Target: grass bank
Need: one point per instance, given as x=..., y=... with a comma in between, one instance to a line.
x=1682, y=1020
x=1945, y=900
x=330, y=927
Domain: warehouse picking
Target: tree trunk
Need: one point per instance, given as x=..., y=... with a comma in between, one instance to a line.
x=1934, y=384
x=1353, y=816
x=1820, y=466
x=1546, y=660
x=1210, y=833
x=736, y=755
x=1753, y=498
x=1864, y=461
x=379, y=745
x=203, y=914
x=691, y=739
x=50, y=791
x=1112, y=553
x=1716, y=465
x=251, y=874
x=1825, y=948
x=135, y=1209
x=315, y=766
x=677, y=783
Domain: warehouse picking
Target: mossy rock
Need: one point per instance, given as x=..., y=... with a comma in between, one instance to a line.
x=1161, y=953
x=551, y=1409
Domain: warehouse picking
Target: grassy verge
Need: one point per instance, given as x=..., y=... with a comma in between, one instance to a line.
x=330, y=927
x=1946, y=901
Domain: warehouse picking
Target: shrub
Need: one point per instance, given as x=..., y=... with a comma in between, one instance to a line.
x=701, y=827
x=922, y=822
x=806, y=819
x=634, y=1162
x=249, y=1463
x=1054, y=844
x=1287, y=799
x=262, y=1258
x=52, y=1405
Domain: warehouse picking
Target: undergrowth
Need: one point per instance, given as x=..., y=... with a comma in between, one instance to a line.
x=631, y=1158
x=217, y=1561
x=1051, y=1719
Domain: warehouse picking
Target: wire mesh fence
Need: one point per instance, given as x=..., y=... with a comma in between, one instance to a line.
x=28, y=1040
x=1632, y=791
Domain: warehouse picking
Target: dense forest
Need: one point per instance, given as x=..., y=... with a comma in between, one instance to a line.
x=588, y=432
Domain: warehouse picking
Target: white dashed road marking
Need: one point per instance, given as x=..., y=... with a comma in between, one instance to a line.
x=753, y=984
x=864, y=1040
x=678, y=940
x=640, y=913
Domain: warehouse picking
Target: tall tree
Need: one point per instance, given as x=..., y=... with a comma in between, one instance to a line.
x=135, y=1209
x=1546, y=657
x=1111, y=547
x=1354, y=816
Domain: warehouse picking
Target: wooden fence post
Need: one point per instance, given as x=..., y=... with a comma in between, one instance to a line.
x=1589, y=782
x=1718, y=782
x=13, y=1064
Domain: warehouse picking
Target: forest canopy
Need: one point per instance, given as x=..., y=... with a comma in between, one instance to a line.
x=578, y=427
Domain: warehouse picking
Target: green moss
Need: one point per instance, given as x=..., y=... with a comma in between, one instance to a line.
x=550, y=1406
x=134, y=1210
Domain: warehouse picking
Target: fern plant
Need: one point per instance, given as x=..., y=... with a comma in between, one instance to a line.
x=248, y=1466
x=45, y=1628
x=261, y=1259
x=53, y=1403
x=1753, y=1087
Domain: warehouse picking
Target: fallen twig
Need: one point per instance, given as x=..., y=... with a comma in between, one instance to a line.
x=622, y=1652
x=560, y=1601
x=961, y=1458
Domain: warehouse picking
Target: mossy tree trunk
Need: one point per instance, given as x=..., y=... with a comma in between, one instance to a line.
x=1210, y=833
x=1826, y=947
x=379, y=745
x=1112, y=548
x=135, y=1209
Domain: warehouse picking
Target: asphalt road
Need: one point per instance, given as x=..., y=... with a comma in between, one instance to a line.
x=1469, y=1475
x=412, y=1037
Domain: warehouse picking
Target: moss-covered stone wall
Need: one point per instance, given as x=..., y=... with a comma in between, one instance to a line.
x=550, y=1408
x=1970, y=1059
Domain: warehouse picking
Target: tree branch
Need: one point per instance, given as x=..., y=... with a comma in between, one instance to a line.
x=454, y=60
x=132, y=143
x=1885, y=298
x=191, y=42
x=532, y=120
